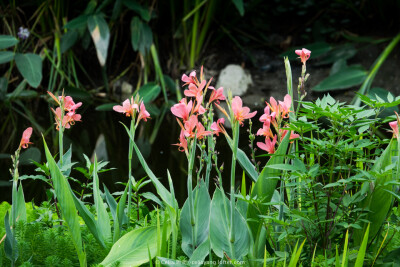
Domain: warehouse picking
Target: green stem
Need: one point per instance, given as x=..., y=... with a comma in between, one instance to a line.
x=233, y=169
x=192, y=156
x=132, y=130
x=105, y=79
x=194, y=36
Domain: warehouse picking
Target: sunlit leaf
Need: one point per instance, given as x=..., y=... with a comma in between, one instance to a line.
x=100, y=33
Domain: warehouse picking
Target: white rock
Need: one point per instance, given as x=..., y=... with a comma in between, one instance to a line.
x=234, y=78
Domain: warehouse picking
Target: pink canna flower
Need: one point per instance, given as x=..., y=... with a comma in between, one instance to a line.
x=195, y=91
x=269, y=145
x=217, y=126
x=274, y=105
x=395, y=128
x=143, y=114
x=128, y=107
x=26, y=135
x=190, y=125
x=216, y=95
x=285, y=106
x=201, y=131
x=292, y=135
x=265, y=130
x=69, y=118
x=69, y=104
x=182, y=109
x=241, y=113
x=199, y=108
x=267, y=116
x=183, y=146
x=304, y=54
x=189, y=79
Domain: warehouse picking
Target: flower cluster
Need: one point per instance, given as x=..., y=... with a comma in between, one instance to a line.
x=23, y=33
x=192, y=106
x=65, y=114
x=274, y=114
x=130, y=107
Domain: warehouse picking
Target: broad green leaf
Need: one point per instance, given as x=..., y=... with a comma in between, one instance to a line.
x=77, y=23
x=7, y=41
x=342, y=79
x=89, y=219
x=342, y=52
x=135, y=6
x=219, y=229
x=100, y=33
x=379, y=201
x=6, y=56
x=202, y=215
x=264, y=188
x=239, y=6
x=132, y=249
x=149, y=92
x=199, y=254
x=68, y=40
x=103, y=220
x=111, y=202
x=362, y=250
x=66, y=202
x=21, y=209
x=141, y=36
x=30, y=66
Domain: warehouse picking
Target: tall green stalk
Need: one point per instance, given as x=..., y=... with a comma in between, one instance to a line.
x=130, y=177
x=192, y=156
x=195, y=27
x=233, y=169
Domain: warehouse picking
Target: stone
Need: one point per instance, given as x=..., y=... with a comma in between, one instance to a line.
x=234, y=78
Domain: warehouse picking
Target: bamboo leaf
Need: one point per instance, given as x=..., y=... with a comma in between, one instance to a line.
x=361, y=251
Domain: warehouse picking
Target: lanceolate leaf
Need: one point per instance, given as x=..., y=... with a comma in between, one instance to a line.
x=379, y=201
x=103, y=220
x=30, y=66
x=362, y=250
x=133, y=248
x=219, y=229
x=100, y=33
x=10, y=243
x=265, y=186
x=342, y=79
x=66, y=201
x=202, y=214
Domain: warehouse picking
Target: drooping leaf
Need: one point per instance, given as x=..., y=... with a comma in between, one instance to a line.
x=136, y=30
x=7, y=41
x=68, y=40
x=77, y=23
x=201, y=204
x=6, y=56
x=67, y=205
x=220, y=229
x=100, y=33
x=30, y=66
x=132, y=249
x=149, y=92
x=342, y=79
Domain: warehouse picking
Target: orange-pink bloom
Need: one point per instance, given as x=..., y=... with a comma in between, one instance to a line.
x=189, y=79
x=292, y=134
x=183, y=146
x=182, y=109
x=143, y=114
x=269, y=145
x=26, y=135
x=217, y=126
x=304, y=54
x=216, y=95
x=201, y=131
x=241, y=113
x=395, y=128
x=285, y=106
x=69, y=118
x=195, y=91
x=128, y=107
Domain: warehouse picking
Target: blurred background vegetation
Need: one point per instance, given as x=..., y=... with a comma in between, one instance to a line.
x=100, y=52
